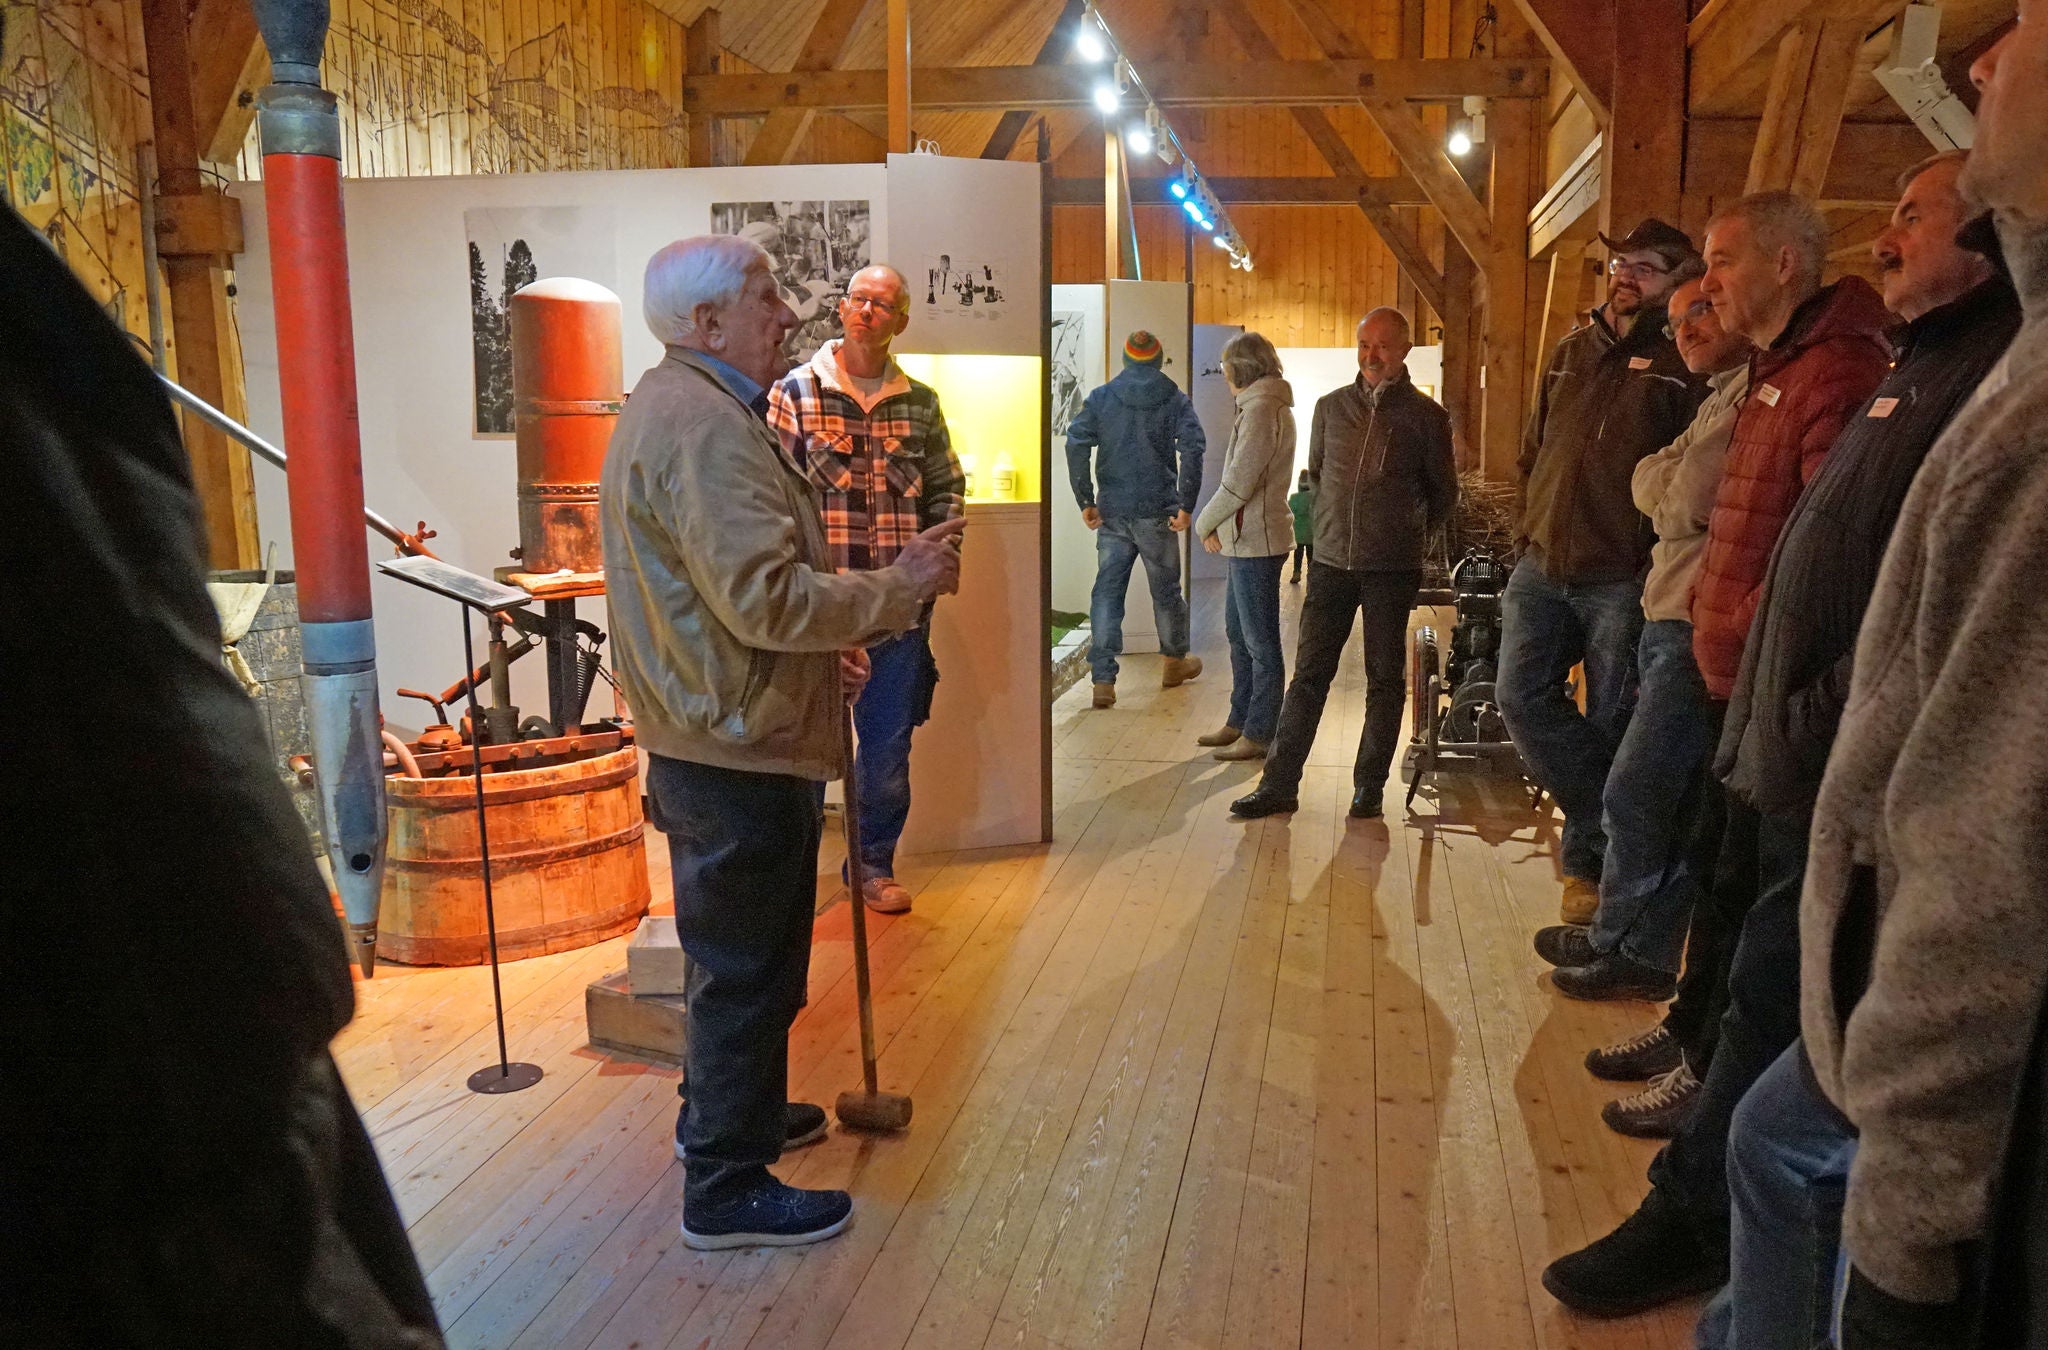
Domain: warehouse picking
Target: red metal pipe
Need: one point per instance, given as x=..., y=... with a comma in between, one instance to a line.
x=317, y=379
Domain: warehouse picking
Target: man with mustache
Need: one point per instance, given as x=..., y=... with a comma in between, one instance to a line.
x=873, y=442
x=1613, y=392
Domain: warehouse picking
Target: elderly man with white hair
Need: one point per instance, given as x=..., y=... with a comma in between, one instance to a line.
x=735, y=643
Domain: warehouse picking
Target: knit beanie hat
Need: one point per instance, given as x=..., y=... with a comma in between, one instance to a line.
x=1142, y=349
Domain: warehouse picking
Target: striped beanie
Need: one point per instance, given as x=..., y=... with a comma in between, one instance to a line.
x=1142, y=349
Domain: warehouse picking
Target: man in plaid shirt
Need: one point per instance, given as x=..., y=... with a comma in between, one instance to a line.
x=874, y=444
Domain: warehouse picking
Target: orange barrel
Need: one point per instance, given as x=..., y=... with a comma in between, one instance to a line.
x=567, y=387
x=568, y=861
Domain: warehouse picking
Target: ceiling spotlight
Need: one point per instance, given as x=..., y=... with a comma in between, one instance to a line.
x=1460, y=142
x=1106, y=99
x=1219, y=241
x=1205, y=222
x=1193, y=208
x=1475, y=118
x=1168, y=155
x=1140, y=141
x=1088, y=43
x=1179, y=190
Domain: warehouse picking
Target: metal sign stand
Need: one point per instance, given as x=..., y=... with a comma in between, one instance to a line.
x=470, y=591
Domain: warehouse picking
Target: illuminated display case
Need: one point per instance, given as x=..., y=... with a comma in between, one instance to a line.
x=992, y=406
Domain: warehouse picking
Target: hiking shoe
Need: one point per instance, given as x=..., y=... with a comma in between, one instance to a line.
x=1581, y=901
x=1264, y=802
x=1365, y=805
x=1566, y=944
x=1648, y=1055
x=1105, y=695
x=1245, y=749
x=769, y=1214
x=1612, y=975
x=885, y=895
x=1179, y=670
x=1226, y=736
x=802, y=1123
x=1659, y=1111
x=1653, y=1258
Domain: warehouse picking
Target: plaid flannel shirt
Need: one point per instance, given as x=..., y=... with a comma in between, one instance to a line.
x=884, y=475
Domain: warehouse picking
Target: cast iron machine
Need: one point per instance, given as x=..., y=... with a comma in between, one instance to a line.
x=1457, y=724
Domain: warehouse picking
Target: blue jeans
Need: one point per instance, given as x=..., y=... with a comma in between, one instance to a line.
x=1653, y=791
x=1547, y=628
x=1258, y=669
x=743, y=852
x=897, y=700
x=1788, y=1169
x=1118, y=545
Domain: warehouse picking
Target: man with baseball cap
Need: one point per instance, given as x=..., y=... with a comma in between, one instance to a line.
x=1614, y=391
x=1146, y=445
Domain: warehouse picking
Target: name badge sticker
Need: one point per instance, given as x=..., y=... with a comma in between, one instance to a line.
x=1639, y=363
x=1883, y=407
x=1770, y=394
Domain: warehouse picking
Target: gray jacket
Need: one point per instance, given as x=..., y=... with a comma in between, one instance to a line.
x=1248, y=512
x=726, y=616
x=1675, y=488
x=1381, y=463
x=1924, y=922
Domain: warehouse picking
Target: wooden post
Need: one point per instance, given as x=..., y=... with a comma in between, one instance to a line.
x=1460, y=392
x=1643, y=146
x=1113, y=204
x=1516, y=150
x=197, y=228
x=1809, y=90
x=899, y=77
x=700, y=57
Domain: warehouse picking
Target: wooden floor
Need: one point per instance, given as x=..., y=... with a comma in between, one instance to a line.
x=1180, y=1081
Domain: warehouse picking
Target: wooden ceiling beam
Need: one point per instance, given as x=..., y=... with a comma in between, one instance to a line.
x=1868, y=158
x=1803, y=110
x=1406, y=246
x=1733, y=41
x=1426, y=160
x=1579, y=35
x=1316, y=191
x=229, y=64
x=824, y=48
x=1172, y=84
x=1314, y=122
x=1003, y=139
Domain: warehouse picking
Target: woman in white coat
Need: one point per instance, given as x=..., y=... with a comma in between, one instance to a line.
x=1248, y=522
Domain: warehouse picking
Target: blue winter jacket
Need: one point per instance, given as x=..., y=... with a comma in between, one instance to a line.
x=1146, y=432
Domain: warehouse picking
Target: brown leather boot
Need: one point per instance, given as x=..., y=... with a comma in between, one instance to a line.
x=1105, y=695
x=1179, y=670
x=1226, y=736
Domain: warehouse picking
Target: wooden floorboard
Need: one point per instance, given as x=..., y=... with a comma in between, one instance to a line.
x=1180, y=1081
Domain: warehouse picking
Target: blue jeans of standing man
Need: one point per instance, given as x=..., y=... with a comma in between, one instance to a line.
x=743, y=852
x=897, y=700
x=1258, y=667
x=1789, y=1152
x=1547, y=628
x=1118, y=545
x=1653, y=789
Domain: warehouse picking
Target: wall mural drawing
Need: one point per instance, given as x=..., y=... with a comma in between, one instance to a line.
x=817, y=246
x=1070, y=382
x=512, y=248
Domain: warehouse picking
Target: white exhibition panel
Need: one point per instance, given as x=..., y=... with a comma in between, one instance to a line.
x=1078, y=364
x=973, y=267
x=423, y=460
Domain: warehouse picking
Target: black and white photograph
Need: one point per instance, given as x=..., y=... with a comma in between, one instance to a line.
x=817, y=247
x=1069, y=380
x=973, y=269
x=960, y=285
x=513, y=247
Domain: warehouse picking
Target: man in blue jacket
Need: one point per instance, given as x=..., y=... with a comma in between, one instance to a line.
x=1147, y=447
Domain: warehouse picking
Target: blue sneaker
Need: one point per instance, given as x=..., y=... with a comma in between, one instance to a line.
x=768, y=1215
x=802, y=1123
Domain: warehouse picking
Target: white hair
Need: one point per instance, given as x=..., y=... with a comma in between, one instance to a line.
x=705, y=269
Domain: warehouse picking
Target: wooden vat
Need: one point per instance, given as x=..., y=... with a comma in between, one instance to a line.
x=568, y=862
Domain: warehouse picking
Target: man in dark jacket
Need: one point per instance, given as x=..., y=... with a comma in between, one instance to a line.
x=1789, y=1148
x=1147, y=444
x=1380, y=458
x=183, y=1165
x=1613, y=392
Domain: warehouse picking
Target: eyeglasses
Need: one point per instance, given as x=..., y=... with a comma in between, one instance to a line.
x=1694, y=312
x=1618, y=267
x=870, y=302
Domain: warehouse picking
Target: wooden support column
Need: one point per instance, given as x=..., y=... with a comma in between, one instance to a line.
x=1643, y=147
x=1809, y=90
x=899, y=77
x=830, y=38
x=700, y=57
x=1462, y=341
x=1115, y=205
x=197, y=228
x=1516, y=137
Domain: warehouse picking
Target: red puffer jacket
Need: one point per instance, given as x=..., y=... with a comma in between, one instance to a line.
x=1802, y=391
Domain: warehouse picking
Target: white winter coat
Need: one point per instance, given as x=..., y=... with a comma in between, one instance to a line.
x=1249, y=511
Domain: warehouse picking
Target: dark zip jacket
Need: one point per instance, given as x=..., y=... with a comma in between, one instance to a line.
x=1148, y=448
x=1795, y=671
x=1606, y=402
x=1381, y=464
